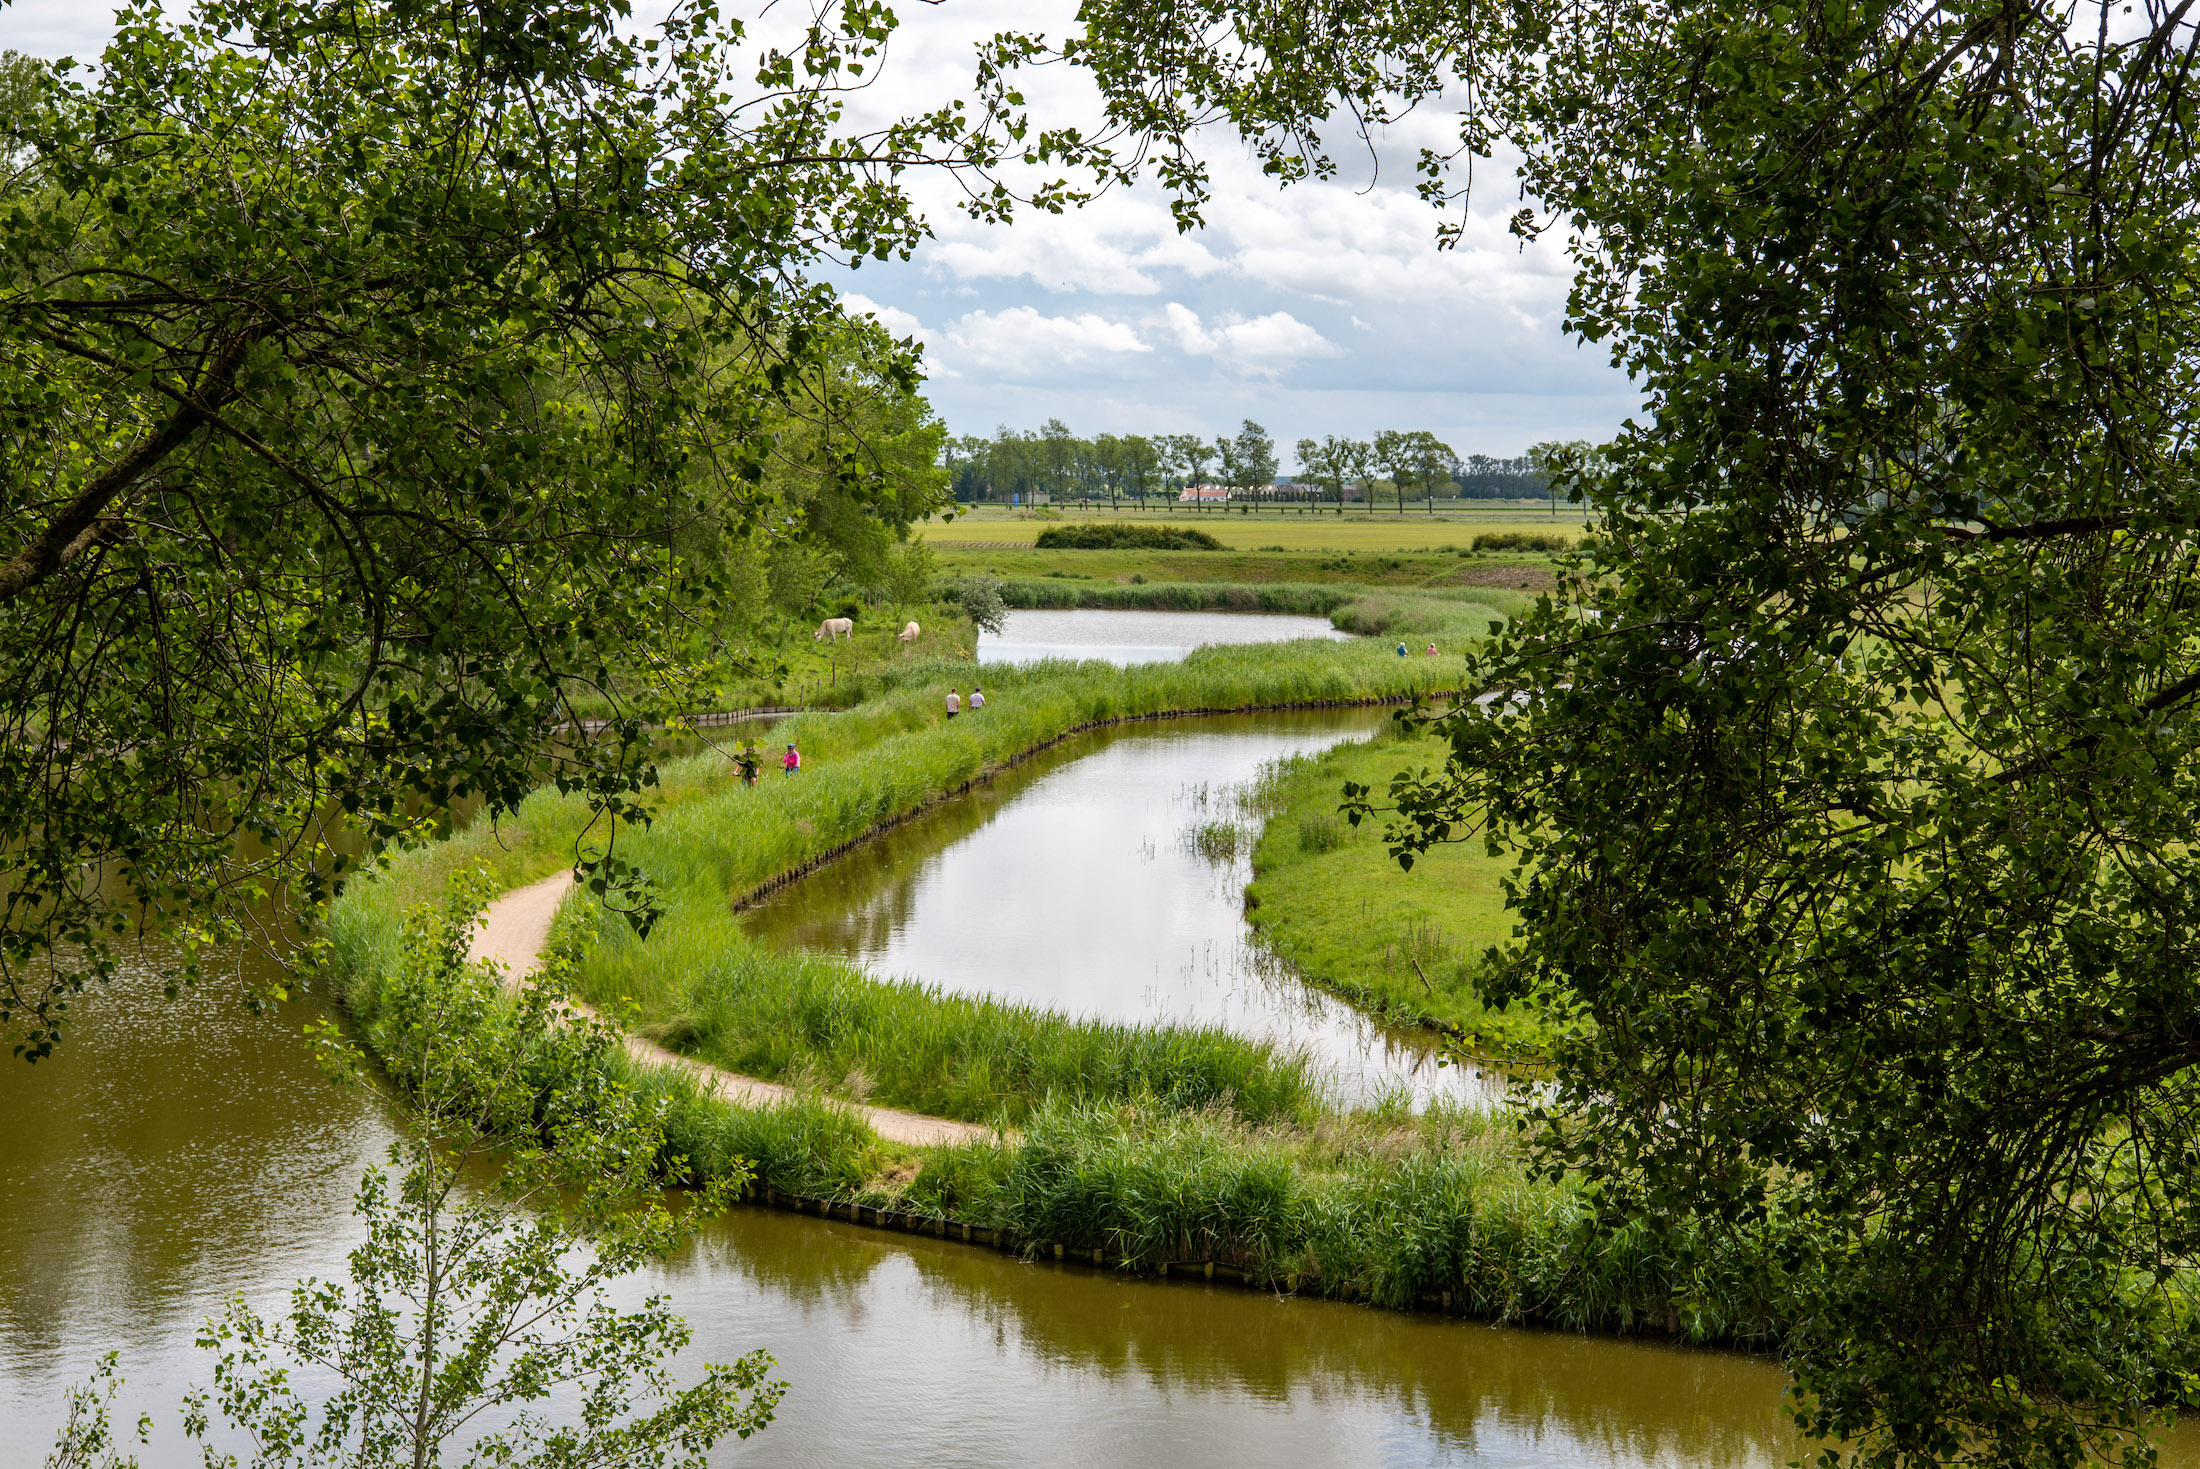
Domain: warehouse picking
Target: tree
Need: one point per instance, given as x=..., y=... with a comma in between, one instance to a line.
x=1355, y=459
x=1139, y=462
x=529, y=1180
x=1855, y=789
x=1393, y=455
x=1431, y=461
x=1249, y=459
x=361, y=367
x=1057, y=448
x=979, y=599
x=1189, y=457
x=909, y=574
x=1321, y=465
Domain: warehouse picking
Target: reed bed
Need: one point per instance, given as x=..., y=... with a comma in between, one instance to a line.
x=1384, y=1210
x=1423, y=612
x=815, y=1020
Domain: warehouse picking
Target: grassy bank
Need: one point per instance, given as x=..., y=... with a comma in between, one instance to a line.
x=1329, y=898
x=825, y=1025
x=1388, y=1210
x=698, y=983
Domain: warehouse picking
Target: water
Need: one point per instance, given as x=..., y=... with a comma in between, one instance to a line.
x=1139, y=637
x=174, y=1153
x=1072, y=883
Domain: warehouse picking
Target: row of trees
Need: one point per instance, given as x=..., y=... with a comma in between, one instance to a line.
x=1410, y=465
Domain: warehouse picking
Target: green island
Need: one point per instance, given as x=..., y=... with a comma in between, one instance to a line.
x=1330, y=899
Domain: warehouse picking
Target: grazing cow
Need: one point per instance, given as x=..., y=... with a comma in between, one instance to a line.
x=911, y=633
x=834, y=628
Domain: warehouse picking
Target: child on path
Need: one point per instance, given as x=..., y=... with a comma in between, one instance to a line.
x=977, y=698
x=1401, y=650
x=747, y=763
x=954, y=702
x=791, y=761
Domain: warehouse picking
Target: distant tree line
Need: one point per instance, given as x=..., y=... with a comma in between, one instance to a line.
x=1402, y=466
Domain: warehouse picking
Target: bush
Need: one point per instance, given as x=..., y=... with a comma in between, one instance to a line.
x=1515, y=540
x=1126, y=538
x=979, y=599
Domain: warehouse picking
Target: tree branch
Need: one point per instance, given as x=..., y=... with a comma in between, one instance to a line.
x=75, y=527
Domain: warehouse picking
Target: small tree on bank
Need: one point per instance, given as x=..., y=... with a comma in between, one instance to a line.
x=475, y=1300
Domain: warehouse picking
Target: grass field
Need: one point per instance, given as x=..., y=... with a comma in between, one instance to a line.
x=1413, y=531
x=1329, y=898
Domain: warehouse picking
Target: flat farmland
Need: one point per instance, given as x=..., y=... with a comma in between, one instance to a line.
x=1270, y=533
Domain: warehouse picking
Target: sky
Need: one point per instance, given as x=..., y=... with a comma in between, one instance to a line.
x=1322, y=308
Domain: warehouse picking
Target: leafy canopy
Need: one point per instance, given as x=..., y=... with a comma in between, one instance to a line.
x=1857, y=775
x=370, y=373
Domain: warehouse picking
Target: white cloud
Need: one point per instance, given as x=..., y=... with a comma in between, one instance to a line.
x=1261, y=347
x=1073, y=253
x=1022, y=342
x=893, y=318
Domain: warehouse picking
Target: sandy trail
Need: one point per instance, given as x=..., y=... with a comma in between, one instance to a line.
x=517, y=926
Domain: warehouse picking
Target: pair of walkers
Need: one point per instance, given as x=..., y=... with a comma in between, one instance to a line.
x=751, y=765
x=955, y=701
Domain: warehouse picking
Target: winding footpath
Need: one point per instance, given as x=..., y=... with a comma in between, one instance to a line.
x=517, y=926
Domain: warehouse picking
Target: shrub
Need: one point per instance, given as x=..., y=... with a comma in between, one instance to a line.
x=1125, y=538
x=979, y=599
x=1516, y=540
x=1215, y=841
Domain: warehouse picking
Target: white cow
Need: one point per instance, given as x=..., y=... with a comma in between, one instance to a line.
x=911, y=633
x=834, y=628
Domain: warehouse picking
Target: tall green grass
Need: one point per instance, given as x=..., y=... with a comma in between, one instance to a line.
x=814, y=1020
x=1450, y=613
x=1388, y=1210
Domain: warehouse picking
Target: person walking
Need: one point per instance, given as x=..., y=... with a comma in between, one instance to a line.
x=954, y=703
x=977, y=698
x=791, y=762
x=1401, y=650
x=1432, y=650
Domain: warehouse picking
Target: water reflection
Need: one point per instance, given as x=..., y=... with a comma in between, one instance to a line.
x=1049, y=1364
x=1070, y=884
x=1128, y=637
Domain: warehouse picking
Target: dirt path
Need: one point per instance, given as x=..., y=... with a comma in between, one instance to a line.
x=517, y=926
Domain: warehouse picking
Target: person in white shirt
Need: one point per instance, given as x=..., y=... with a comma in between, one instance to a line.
x=977, y=698
x=954, y=702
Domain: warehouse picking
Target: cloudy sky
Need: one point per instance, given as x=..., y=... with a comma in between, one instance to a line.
x=1322, y=308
